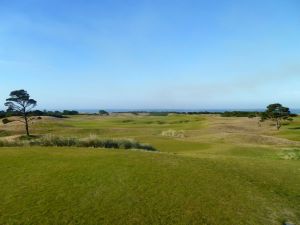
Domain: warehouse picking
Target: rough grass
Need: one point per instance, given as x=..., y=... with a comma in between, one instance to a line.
x=92, y=141
x=173, y=133
x=290, y=154
x=292, y=130
x=221, y=171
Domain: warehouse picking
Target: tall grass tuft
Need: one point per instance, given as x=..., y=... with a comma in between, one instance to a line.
x=92, y=141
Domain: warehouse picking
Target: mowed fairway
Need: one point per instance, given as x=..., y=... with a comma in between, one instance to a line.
x=209, y=170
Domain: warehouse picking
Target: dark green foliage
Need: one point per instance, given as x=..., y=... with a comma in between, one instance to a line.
x=70, y=112
x=200, y=113
x=2, y=114
x=19, y=101
x=103, y=113
x=12, y=113
x=277, y=113
x=277, y=110
x=6, y=121
x=56, y=114
x=240, y=114
x=37, y=113
x=47, y=113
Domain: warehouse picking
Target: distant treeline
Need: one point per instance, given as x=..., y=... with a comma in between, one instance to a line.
x=65, y=113
x=58, y=114
x=240, y=114
x=165, y=113
x=246, y=114
x=224, y=114
x=197, y=113
x=249, y=114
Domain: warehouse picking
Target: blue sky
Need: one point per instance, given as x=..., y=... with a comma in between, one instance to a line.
x=139, y=54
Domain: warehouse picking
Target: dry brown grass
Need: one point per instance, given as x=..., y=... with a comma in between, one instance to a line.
x=238, y=131
x=216, y=129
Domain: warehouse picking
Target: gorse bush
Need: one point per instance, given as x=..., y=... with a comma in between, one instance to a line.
x=96, y=142
x=54, y=141
x=92, y=141
x=6, y=121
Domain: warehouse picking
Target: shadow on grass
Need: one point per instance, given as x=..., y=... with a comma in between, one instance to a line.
x=30, y=137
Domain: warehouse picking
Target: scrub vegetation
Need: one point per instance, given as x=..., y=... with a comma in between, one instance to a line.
x=208, y=170
x=92, y=141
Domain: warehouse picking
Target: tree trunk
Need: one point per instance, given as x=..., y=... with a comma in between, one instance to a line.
x=26, y=124
x=278, y=123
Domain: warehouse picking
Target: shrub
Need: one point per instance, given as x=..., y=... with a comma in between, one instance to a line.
x=103, y=113
x=95, y=142
x=92, y=141
x=54, y=141
x=240, y=114
x=70, y=112
x=6, y=121
x=2, y=114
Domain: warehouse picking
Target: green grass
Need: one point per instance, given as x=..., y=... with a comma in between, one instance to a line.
x=118, y=126
x=291, y=131
x=81, y=186
x=217, y=171
x=4, y=133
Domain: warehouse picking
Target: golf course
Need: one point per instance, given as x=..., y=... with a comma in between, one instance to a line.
x=205, y=169
x=149, y=112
